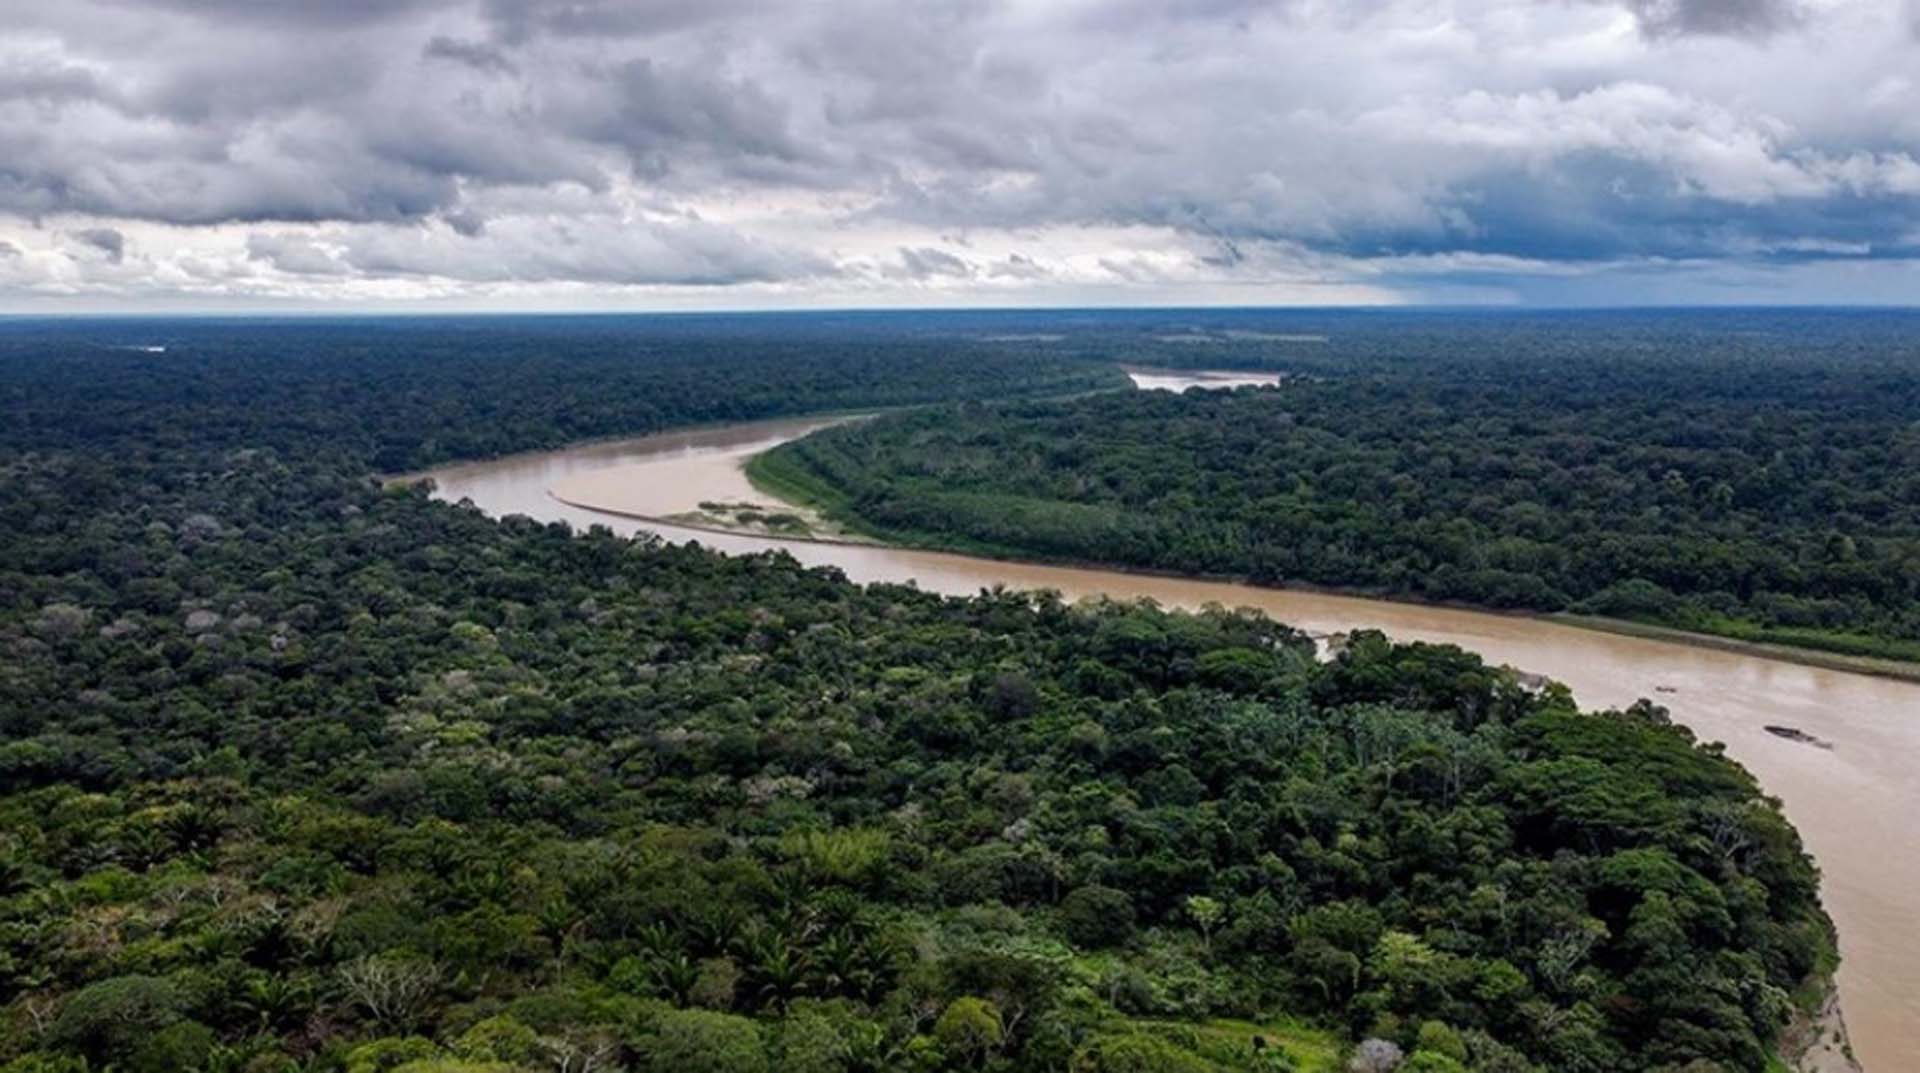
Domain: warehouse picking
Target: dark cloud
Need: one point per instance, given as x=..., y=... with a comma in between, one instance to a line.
x=928, y=263
x=291, y=13
x=667, y=117
x=466, y=222
x=8, y=251
x=478, y=55
x=518, y=20
x=307, y=174
x=517, y=141
x=1127, y=16
x=1016, y=266
x=1738, y=18
x=684, y=253
x=1600, y=209
x=258, y=121
x=107, y=240
x=49, y=83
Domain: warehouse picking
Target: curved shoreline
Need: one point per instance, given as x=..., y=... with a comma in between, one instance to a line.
x=1872, y=666
x=1816, y=1040
x=1849, y=802
x=1806, y=657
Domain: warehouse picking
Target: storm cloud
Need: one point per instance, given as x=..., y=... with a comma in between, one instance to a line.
x=1739, y=17
x=105, y=240
x=850, y=150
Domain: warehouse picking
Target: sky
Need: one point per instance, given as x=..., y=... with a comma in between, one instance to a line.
x=239, y=155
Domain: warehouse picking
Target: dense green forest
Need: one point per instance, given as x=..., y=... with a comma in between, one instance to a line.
x=301, y=773
x=404, y=394
x=1756, y=484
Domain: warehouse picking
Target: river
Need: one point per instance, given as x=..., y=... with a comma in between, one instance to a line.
x=1854, y=803
x=1152, y=379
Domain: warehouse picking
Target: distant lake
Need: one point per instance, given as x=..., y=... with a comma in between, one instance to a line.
x=1176, y=380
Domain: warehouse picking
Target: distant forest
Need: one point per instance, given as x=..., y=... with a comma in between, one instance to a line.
x=402, y=394
x=300, y=773
x=1752, y=475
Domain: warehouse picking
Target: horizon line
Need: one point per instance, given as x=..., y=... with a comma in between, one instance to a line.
x=377, y=312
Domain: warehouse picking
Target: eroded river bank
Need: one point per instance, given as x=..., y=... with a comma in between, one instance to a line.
x=1851, y=801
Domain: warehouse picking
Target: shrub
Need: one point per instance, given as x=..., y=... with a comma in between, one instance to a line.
x=113, y=1017
x=703, y=1041
x=1096, y=917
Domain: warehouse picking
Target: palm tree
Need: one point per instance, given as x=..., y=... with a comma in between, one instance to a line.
x=841, y=961
x=717, y=928
x=777, y=968
x=674, y=977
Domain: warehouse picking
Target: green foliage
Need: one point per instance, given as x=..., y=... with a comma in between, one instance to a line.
x=118, y=1015
x=389, y=1053
x=403, y=394
x=824, y=1038
x=1756, y=482
x=703, y=1041
x=300, y=771
x=498, y=1039
x=46, y=1063
x=1431, y=1062
x=1206, y=914
x=1095, y=917
x=181, y=1045
x=455, y=1065
x=1439, y=1038
x=1138, y=1052
x=969, y=1027
x=1211, y=1047
x=852, y=857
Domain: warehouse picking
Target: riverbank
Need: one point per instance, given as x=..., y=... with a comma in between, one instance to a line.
x=1816, y=1040
x=776, y=475
x=684, y=433
x=1850, y=802
x=1808, y=657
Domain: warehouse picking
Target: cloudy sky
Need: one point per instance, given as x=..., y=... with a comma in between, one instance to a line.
x=641, y=154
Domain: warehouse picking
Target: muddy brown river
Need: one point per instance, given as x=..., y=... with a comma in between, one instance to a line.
x=1857, y=804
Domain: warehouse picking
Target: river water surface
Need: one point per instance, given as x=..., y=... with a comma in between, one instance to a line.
x=1856, y=804
x=1152, y=379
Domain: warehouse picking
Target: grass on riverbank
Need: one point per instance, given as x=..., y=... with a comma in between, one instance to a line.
x=1837, y=642
x=1808, y=654
x=778, y=473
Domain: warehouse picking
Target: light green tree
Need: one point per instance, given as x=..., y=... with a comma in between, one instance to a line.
x=1206, y=914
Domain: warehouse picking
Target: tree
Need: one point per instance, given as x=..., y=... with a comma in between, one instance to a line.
x=969, y=1028
x=116, y=1016
x=498, y=1039
x=1206, y=914
x=1376, y=1056
x=578, y=1048
x=1097, y=917
x=1440, y=1038
x=704, y=1041
x=582, y=774
x=809, y=1041
x=181, y=1045
x=393, y=990
x=1432, y=1062
x=1137, y=1052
